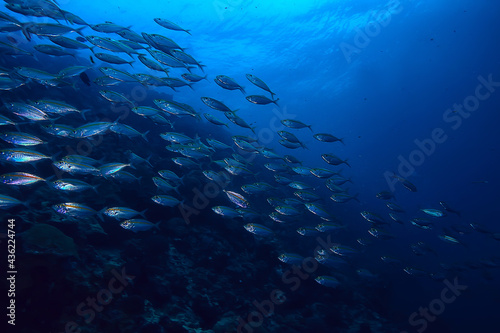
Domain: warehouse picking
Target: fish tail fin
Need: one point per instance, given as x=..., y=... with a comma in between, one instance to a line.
x=99, y=214
x=347, y=163
x=272, y=95
x=189, y=68
x=276, y=102
x=26, y=32
x=56, y=155
x=95, y=188
x=157, y=225
x=355, y=197
x=242, y=89
x=79, y=31
x=143, y=135
x=197, y=139
x=142, y=213
x=147, y=160
x=188, y=31
x=176, y=189
x=350, y=180
x=191, y=86
x=205, y=77
x=131, y=63
x=200, y=66
x=48, y=179
x=310, y=127
x=342, y=140
x=27, y=203
x=303, y=146
x=171, y=124
x=83, y=113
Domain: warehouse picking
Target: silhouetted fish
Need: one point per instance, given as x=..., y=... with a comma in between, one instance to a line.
x=84, y=77
x=12, y=39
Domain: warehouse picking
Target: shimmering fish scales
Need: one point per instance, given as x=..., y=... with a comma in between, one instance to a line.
x=325, y=137
x=319, y=210
x=112, y=59
x=21, y=155
x=75, y=168
x=227, y=212
x=343, y=198
x=433, y=212
x=261, y=100
x=343, y=250
x=258, y=229
x=169, y=25
x=291, y=123
x=19, y=178
x=53, y=50
x=237, y=199
x=72, y=185
x=259, y=83
x=307, y=231
x=333, y=160
x=193, y=77
x=228, y=83
x=372, y=217
x=166, y=200
x=122, y=212
x=7, y=202
x=215, y=104
x=91, y=129
x=291, y=258
x=327, y=281
x=137, y=225
x=72, y=209
x=20, y=138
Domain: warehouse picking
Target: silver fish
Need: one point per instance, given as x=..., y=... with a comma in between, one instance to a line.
x=261, y=100
x=21, y=139
x=259, y=83
x=169, y=25
x=20, y=178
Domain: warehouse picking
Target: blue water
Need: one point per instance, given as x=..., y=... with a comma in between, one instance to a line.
x=383, y=75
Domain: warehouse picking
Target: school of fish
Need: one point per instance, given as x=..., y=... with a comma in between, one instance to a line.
x=294, y=201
